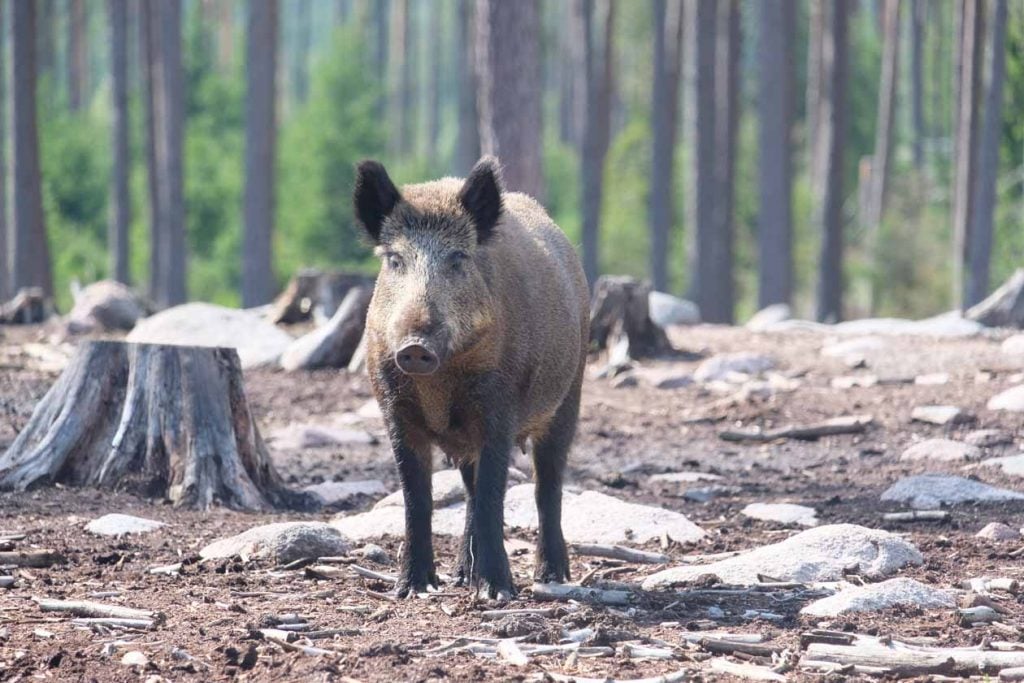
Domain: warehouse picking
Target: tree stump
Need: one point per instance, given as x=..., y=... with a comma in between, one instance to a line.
x=1004, y=307
x=311, y=289
x=159, y=421
x=619, y=315
x=29, y=306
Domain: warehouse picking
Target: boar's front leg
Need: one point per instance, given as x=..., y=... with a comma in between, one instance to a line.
x=412, y=454
x=464, y=571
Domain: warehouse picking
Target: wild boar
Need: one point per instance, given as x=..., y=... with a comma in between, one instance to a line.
x=477, y=338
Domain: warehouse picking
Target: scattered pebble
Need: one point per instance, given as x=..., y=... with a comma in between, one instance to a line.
x=997, y=531
x=943, y=450
x=931, y=491
x=939, y=415
x=783, y=513
x=874, y=597
x=116, y=524
x=1011, y=400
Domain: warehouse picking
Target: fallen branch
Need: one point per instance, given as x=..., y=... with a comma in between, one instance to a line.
x=750, y=672
x=6, y=581
x=917, y=516
x=564, y=592
x=38, y=559
x=852, y=424
x=986, y=585
x=674, y=677
x=911, y=660
x=618, y=552
x=495, y=614
x=294, y=647
x=370, y=574
x=138, y=624
x=731, y=647
x=96, y=610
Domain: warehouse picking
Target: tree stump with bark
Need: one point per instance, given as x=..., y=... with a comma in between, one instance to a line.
x=1004, y=307
x=29, y=306
x=159, y=421
x=620, y=316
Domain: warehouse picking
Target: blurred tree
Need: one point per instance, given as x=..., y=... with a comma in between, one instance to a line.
x=970, y=51
x=258, y=285
x=980, y=246
x=381, y=19
x=598, y=63
x=570, y=68
x=169, y=122
x=46, y=47
x=828, y=163
x=77, y=52
x=878, y=174
x=468, y=142
x=342, y=11
x=667, y=28
x=918, y=8
x=120, y=215
x=30, y=250
x=777, y=28
x=225, y=10
x=401, y=58
x=509, y=97
x=148, y=41
x=5, y=254
x=303, y=14
x=815, y=31
x=435, y=66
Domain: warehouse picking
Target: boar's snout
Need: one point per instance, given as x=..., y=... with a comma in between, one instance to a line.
x=417, y=358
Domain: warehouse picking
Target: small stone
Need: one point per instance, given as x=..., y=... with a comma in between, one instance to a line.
x=783, y=513
x=1010, y=464
x=682, y=477
x=282, y=542
x=939, y=415
x=116, y=524
x=874, y=597
x=105, y=306
x=1013, y=346
x=997, y=531
x=135, y=658
x=1011, y=400
x=727, y=365
x=988, y=438
x=334, y=493
x=665, y=309
x=715, y=612
x=858, y=346
x=768, y=317
x=374, y=553
x=945, y=450
x=932, y=380
x=931, y=491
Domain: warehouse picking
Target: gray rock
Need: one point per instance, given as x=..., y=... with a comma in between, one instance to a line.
x=282, y=542
x=1013, y=346
x=874, y=597
x=939, y=415
x=724, y=367
x=297, y=437
x=944, y=450
x=820, y=554
x=951, y=324
x=858, y=346
x=997, y=531
x=682, y=477
x=1010, y=464
x=116, y=524
x=1010, y=400
x=783, y=513
x=135, y=658
x=374, y=553
x=339, y=492
x=665, y=309
x=105, y=306
x=931, y=491
x=988, y=438
x=767, y=317
x=665, y=377
x=199, y=324
x=446, y=485
x=933, y=379
x=332, y=344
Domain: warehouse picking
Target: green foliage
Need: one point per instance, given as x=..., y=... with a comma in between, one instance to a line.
x=318, y=149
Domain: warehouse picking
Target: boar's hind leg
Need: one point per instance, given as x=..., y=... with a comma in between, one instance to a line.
x=466, y=550
x=550, y=453
x=412, y=454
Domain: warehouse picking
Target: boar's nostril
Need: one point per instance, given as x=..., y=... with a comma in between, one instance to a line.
x=416, y=359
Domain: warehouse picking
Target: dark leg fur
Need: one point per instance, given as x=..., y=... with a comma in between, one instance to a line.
x=417, y=573
x=466, y=550
x=550, y=454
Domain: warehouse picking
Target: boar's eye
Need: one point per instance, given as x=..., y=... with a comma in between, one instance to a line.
x=394, y=262
x=457, y=260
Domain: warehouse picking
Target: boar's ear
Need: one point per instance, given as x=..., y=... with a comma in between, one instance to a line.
x=375, y=196
x=480, y=196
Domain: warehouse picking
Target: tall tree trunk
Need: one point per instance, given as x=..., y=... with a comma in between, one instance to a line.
x=381, y=25
x=30, y=249
x=971, y=51
x=435, y=41
x=879, y=173
x=980, y=249
x=148, y=42
x=918, y=9
x=509, y=90
x=775, y=161
x=569, y=80
x=120, y=216
x=46, y=47
x=828, y=165
x=260, y=139
x=468, y=142
x=225, y=34
x=401, y=78
x=815, y=31
x=169, y=124
x=5, y=253
x=78, y=59
x=300, y=51
x=703, y=175
x=598, y=60
x=668, y=51
x=342, y=12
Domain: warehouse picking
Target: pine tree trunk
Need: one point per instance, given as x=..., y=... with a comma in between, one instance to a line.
x=815, y=33
x=918, y=9
x=5, y=253
x=667, y=28
x=225, y=34
x=167, y=422
x=702, y=196
x=509, y=82
x=971, y=51
x=149, y=40
x=120, y=216
x=775, y=161
x=260, y=141
x=30, y=251
x=301, y=48
x=401, y=77
x=468, y=144
x=829, y=162
x=77, y=53
x=436, y=65
x=381, y=19
x=879, y=175
x=980, y=249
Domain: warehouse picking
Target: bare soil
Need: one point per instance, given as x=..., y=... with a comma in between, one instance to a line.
x=213, y=609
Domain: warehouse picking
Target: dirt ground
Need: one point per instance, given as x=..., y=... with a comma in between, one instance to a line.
x=213, y=609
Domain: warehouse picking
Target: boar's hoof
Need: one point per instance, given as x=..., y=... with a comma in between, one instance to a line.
x=409, y=587
x=417, y=359
x=498, y=591
x=551, y=572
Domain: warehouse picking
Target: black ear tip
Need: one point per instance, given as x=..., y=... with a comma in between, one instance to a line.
x=488, y=165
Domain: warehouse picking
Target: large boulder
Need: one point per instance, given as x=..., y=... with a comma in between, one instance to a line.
x=824, y=553
x=875, y=597
x=943, y=450
x=105, y=306
x=281, y=542
x=931, y=491
x=199, y=324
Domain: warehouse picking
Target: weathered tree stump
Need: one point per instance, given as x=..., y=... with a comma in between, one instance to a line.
x=619, y=310
x=311, y=289
x=1004, y=307
x=160, y=421
x=28, y=306
x=333, y=344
